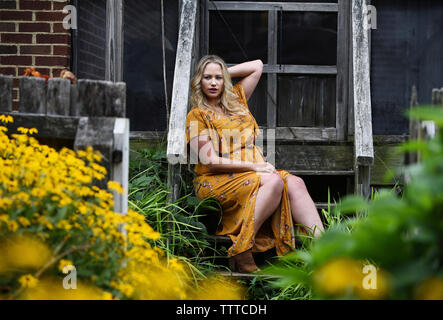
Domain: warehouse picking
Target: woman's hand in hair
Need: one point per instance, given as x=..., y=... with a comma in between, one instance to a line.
x=250, y=71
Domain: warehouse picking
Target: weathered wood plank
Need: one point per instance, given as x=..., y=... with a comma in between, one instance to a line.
x=343, y=69
x=265, y=6
x=114, y=41
x=301, y=69
x=6, y=84
x=32, y=95
x=58, y=97
x=115, y=100
x=364, y=152
x=306, y=134
x=47, y=125
x=176, y=150
x=104, y=142
x=314, y=157
x=120, y=166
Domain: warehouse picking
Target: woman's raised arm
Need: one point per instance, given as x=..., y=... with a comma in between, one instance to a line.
x=250, y=71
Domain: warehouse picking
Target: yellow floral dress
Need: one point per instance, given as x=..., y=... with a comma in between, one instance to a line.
x=237, y=192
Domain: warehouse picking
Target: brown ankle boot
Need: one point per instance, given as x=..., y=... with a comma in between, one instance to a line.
x=243, y=263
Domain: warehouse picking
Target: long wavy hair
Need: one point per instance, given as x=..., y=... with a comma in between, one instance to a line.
x=229, y=101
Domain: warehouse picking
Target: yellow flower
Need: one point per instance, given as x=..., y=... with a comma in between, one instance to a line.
x=33, y=130
x=63, y=263
x=24, y=221
x=52, y=289
x=5, y=119
x=430, y=289
x=23, y=130
x=28, y=281
x=115, y=186
x=12, y=225
x=218, y=288
x=338, y=277
x=24, y=252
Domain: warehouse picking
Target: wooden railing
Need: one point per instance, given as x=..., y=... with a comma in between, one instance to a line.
x=361, y=99
x=176, y=149
x=88, y=113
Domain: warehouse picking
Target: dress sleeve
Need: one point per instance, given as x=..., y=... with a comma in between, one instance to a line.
x=239, y=90
x=195, y=125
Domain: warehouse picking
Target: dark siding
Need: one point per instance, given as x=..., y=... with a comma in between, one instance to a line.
x=407, y=49
x=91, y=15
x=143, y=71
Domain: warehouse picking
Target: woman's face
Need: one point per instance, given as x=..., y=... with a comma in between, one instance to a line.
x=212, y=81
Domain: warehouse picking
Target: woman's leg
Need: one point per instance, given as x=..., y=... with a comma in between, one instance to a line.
x=268, y=198
x=302, y=206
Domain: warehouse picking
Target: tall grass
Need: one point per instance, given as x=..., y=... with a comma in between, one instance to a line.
x=183, y=234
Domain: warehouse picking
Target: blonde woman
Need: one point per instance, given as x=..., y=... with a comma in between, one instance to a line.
x=259, y=202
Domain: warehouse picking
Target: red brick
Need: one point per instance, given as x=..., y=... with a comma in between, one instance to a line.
x=16, y=82
x=54, y=38
x=8, y=71
x=15, y=60
x=8, y=49
x=15, y=15
x=15, y=105
x=34, y=27
x=8, y=4
x=59, y=5
x=50, y=16
x=35, y=5
x=35, y=49
x=15, y=94
x=56, y=71
x=8, y=27
x=51, y=61
x=62, y=50
x=16, y=38
x=58, y=28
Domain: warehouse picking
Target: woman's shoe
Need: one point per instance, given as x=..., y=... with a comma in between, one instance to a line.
x=243, y=263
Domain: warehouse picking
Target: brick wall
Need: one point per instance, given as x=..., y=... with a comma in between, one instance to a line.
x=32, y=34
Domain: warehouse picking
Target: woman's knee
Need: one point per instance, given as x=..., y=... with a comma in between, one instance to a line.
x=273, y=181
x=295, y=183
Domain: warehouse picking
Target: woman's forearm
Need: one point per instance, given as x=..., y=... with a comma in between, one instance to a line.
x=245, y=69
x=220, y=164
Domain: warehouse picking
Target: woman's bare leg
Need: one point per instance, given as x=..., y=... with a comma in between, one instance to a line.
x=268, y=198
x=302, y=206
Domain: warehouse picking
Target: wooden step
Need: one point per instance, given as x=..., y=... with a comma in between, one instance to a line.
x=322, y=172
x=246, y=276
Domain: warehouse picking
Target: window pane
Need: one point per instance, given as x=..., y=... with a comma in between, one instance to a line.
x=238, y=36
x=143, y=64
x=306, y=100
x=307, y=38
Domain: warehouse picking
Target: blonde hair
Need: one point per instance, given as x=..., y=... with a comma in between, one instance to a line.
x=229, y=101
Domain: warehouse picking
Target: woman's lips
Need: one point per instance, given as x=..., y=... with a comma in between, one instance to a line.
x=213, y=90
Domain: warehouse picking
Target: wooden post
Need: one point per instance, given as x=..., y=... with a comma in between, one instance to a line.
x=32, y=95
x=363, y=141
x=176, y=150
x=120, y=163
x=58, y=96
x=6, y=83
x=114, y=41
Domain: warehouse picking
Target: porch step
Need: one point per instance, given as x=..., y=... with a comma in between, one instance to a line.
x=322, y=172
x=246, y=276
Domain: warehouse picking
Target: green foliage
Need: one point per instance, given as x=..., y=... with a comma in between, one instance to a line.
x=179, y=222
x=401, y=236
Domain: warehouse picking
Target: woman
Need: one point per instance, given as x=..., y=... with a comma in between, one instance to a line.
x=259, y=202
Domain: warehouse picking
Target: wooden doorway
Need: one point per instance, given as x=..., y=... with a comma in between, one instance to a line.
x=303, y=93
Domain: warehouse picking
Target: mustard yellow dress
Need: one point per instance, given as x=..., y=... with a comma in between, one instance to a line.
x=237, y=192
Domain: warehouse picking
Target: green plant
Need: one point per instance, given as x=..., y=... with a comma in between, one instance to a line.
x=401, y=237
